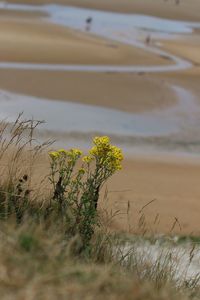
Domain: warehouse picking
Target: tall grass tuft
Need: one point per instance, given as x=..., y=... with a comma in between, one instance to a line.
x=75, y=180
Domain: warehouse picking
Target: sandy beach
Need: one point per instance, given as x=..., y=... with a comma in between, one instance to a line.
x=173, y=183
x=187, y=48
x=32, y=40
x=27, y=40
x=162, y=188
x=120, y=91
x=23, y=40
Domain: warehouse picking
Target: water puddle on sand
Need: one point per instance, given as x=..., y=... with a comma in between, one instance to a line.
x=65, y=118
x=69, y=117
x=182, y=260
x=102, y=20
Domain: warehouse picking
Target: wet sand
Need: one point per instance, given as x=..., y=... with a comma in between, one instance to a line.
x=172, y=184
x=188, y=79
x=35, y=41
x=186, y=10
x=125, y=92
x=23, y=15
x=23, y=40
x=187, y=48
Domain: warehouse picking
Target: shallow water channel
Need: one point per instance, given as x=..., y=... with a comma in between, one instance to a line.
x=68, y=117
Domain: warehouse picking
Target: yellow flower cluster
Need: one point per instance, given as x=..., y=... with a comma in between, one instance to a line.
x=108, y=155
x=62, y=151
x=101, y=140
x=87, y=159
x=72, y=154
x=54, y=155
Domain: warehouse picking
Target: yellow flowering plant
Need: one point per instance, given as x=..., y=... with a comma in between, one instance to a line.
x=62, y=166
x=76, y=190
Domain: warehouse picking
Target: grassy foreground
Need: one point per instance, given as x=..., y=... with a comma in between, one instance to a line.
x=53, y=242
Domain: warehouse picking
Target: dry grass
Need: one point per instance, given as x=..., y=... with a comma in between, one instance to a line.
x=35, y=264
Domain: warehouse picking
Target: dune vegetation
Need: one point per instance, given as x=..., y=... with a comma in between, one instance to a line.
x=54, y=241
